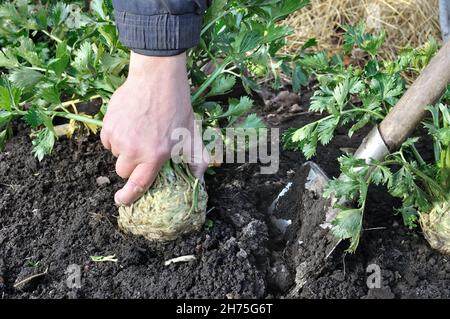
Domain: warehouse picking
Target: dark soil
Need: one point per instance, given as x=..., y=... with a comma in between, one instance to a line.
x=57, y=213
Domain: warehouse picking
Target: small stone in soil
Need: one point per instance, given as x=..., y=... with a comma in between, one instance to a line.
x=287, y=98
x=295, y=108
x=241, y=254
x=103, y=180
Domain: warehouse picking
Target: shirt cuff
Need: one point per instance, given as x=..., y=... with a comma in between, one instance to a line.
x=160, y=34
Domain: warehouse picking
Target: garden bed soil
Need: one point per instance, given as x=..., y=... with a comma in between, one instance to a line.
x=57, y=213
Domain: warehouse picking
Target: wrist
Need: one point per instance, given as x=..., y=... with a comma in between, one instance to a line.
x=143, y=66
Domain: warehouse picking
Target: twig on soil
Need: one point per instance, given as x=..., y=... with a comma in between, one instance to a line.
x=26, y=280
x=98, y=259
x=343, y=262
x=180, y=259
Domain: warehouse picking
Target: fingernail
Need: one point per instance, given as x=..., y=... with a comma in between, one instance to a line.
x=118, y=198
x=128, y=194
x=137, y=189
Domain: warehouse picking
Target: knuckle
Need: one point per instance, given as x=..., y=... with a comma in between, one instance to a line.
x=121, y=171
x=206, y=157
x=106, y=131
x=140, y=182
x=161, y=152
x=204, y=166
x=131, y=150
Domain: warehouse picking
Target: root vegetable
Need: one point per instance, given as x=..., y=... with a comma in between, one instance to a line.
x=173, y=206
x=436, y=227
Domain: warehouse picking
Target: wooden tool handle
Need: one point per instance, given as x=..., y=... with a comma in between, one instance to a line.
x=410, y=109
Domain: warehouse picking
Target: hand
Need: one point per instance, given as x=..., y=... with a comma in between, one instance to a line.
x=141, y=117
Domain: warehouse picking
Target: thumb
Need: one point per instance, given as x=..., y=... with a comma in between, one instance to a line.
x=139, y=182
x=199, y=157
x=199, y=166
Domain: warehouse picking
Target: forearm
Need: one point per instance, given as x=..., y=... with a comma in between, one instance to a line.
x=160, y=75
x=145, y=66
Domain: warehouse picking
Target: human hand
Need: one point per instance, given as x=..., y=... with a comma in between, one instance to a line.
x=141, y=117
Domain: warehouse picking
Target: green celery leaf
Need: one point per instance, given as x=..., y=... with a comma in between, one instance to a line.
x=41, y=18
x=27, y=51
x=59, y=14
x=252, y=122
x=8, y=59
x=109, y=32
x=238, y=107
x=84, y=58
x=25, y=78
x=98, y=9
x=222, y=85
x=326, y=128
x=43, y=143
x=61, y=61
x=320, y=102
x=316, y=62
x=309, y=43
x=347, y=225
x=8, y=11
x=287, y=7
x=299, y=78
x=50, y=94
x=32, y=118
x=410, y=216
x=247, y=41
x=9, y=98
x=276, y=32
x=216, y=8
x=5, y=117
x=371, y=68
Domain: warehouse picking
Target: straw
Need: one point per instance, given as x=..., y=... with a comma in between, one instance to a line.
x=408, y=23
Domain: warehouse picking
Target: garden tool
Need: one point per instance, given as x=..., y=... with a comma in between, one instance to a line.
x=384, y=138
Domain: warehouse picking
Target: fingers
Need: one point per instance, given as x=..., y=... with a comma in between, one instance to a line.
x=199, y=158
x=125, y=166
x=140, y=180
x=105, y=139
x=115, y=151
x=199, y=163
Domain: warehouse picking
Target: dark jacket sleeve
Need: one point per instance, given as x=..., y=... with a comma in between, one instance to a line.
x=159, y=27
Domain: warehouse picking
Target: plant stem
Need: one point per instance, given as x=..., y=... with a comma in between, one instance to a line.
x=417, y=156
x=429, y=181
x=232, y=73
x=68, y=115
x=64, y=74
x=210, y=80
x=71, y=102
x=376, y=114
x=210, y=24
x=79, y=118
x=51, y=36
